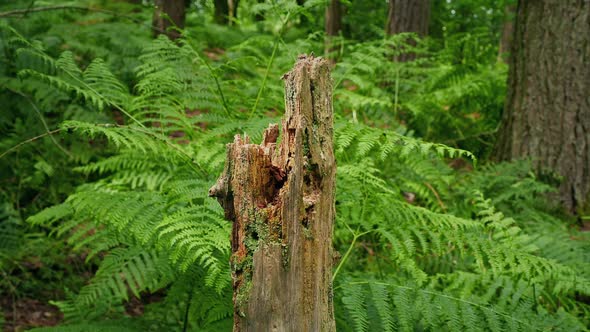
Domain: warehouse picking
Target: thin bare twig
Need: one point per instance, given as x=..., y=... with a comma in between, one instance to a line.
x=440, y=202
x=32, y=139
x=43, y=122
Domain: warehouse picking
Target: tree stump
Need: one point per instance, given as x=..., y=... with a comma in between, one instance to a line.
x=280, y=198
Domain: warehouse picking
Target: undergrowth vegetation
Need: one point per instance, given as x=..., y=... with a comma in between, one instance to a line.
x=111, y=140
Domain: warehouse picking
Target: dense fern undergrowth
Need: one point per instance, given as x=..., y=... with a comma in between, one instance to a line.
x=111, y=140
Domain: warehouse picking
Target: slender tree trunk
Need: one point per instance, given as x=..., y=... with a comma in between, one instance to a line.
x=280, y=199
x=507, y=32
x=168, y=15
x=221, y=15
x=547, y=111
x=333, y=27
x=233, y=10
x=226, y=11
x=408, y=16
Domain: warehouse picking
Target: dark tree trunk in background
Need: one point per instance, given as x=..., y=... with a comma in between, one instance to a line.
x=259, y=16
x=167, y=15
x=225, y=11
x=233, y=10
x=547, y=111
x=507, y=33
x=408, y=16
x=280, y=199
x=303, y=20
x=221, y=14
x=333, y=26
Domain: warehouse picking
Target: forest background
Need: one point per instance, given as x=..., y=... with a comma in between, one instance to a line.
x=115, y=116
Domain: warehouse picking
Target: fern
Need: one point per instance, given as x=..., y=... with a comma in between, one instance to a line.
x=388, y=142
x=427, y=247
x=443, y=311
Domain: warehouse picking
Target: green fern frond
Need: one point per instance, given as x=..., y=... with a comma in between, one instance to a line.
x=99, y=78
x=353, y=298
x=51, y=215
x=428, y=309
x=197, y=234
x=387, y=142
x=11, y=231
x=135, y=214
x=125, y=325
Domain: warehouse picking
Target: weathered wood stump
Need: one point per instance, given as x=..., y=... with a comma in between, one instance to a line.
x=280, y=199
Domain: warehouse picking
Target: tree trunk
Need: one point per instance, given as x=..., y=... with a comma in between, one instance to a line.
x=333, y=27
x=169, y=15
x=507, y=32
x=280, y=199
x=408, y=16
x=226, y=11
x=547, y=112
x=233, y=10
x=303, y=20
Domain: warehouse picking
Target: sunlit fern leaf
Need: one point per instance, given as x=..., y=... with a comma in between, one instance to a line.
x=51, y=214
x=388, y=142
x=100, y=79
x=187, y=190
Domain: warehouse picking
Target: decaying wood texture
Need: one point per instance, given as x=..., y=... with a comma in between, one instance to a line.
x=280, y=198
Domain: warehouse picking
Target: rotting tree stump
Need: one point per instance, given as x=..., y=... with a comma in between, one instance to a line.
x=280, y=198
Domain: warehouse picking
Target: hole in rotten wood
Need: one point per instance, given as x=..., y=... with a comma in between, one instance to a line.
x=291, y=136
x=277, y=181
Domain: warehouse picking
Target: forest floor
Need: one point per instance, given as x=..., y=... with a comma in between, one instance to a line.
x=25, y=313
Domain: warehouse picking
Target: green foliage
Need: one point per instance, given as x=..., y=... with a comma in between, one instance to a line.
x=113, y=142
x=374, y=305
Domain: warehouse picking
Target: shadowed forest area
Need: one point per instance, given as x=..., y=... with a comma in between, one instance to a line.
x=430, y=170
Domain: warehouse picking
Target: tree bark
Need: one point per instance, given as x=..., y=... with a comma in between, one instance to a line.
x=280, y=199
x=169, y=15
x=333, y=27
x=408, y=16
x=547, y=111
x=507, y=33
